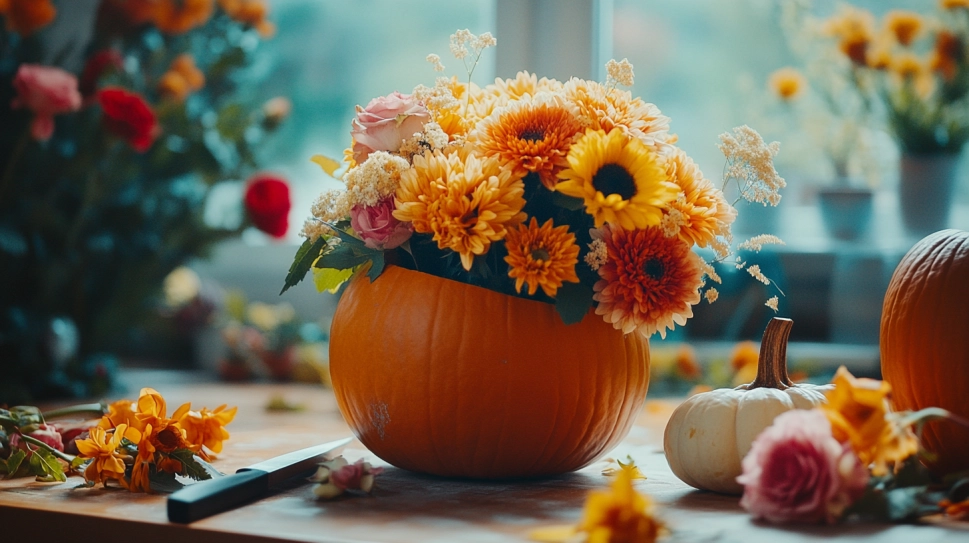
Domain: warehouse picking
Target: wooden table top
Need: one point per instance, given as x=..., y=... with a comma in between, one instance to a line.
x=404, y=507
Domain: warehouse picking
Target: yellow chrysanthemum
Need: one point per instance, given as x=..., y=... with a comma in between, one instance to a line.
x=619, y=514
x=787, y=83
x=530, y=135
x=107, y=463
x=702, y=213
x=541, y=256
x=503, y=91
x=207, y=428
x=465, y=201
x=903, y=25
x=860, y=415
x=607, y=109
x=621, y=180
x=454, y=106
x=649, y=281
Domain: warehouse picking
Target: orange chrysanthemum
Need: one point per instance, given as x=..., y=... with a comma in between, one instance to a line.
x=620, y=180
x=787, y=83
x=207, y=428
x=606, y=109
x=120, y=412
x=530, y=135
x=503, y=91
x=853, y=28
x=903, y=25
x=107, y=462
x=541, y=256
x=180, y=16
x=251, y=13
x=947, y=54
x=860, y=415
x=700, y=212
x=27, y=16
x=649, y=281
x=152, y=410
x=182, y=78
x=465, y=201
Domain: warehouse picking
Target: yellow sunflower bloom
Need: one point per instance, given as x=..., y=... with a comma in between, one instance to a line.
x=541, y=256
x=207, y=428
x=860, y=415
x=107, y=463
x=465, y=201
x=700, y=213
x=621, y=180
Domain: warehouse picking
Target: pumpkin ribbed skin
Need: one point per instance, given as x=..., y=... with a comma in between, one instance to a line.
x=925, y=340
x=445, y=378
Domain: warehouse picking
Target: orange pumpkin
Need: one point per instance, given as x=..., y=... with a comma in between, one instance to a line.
x=450, y=379
x=925, y=340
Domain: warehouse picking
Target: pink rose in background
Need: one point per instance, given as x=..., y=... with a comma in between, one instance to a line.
x=46, y=433
x=385, y=123
x=377, y=226
x=46, y=91
x=796, y=471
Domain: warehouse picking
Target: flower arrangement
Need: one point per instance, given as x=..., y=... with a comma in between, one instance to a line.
x=106, y=164
x=135, y=444
x=850, y=456
x=569, y=193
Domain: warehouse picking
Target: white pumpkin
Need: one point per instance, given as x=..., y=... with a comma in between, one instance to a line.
x=709, y=434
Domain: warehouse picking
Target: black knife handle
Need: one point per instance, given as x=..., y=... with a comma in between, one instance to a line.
x=213, y=496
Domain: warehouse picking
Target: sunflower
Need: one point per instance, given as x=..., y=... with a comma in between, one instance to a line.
x=702, y=213
x=530, y=135
x=606, y=109
x=620, y=179
x=465, y=201
x=541, y=256
x=649, y=281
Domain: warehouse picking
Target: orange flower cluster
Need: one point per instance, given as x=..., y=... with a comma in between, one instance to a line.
x=27, y=16
x=182, y=79
x=250, y=12
x=142, y=435
x=181, y=16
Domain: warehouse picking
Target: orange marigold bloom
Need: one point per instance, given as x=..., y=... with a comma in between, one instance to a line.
x=107, y=463
x=853, y=28
x=649, y=281
x=465, y=201
x=954, y=4
x=182, y=78
x=700, y=213
x=904, y=25
x=120, y=412
x=180, y=16
x=27, y=16
x=687, y=365
x=606, y=109
x=619, y=514
x=251, y=13
x=530, y=135
x=860, y=415
x=947, y=54
x=152, y=409
x=787, y=83
x=207, y=428
x=542, y=257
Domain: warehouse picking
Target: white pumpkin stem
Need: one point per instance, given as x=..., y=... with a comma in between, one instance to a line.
x=772, y=364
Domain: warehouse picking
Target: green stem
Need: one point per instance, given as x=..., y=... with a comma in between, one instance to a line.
x=12, y=162
x=63, y=456
x=930, y=414
x=98, y=409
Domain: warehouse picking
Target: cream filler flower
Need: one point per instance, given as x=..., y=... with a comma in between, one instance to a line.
x=750, y=162
x=620, y=180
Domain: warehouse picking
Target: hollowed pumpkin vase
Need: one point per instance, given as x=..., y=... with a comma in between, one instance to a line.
x=441, y=377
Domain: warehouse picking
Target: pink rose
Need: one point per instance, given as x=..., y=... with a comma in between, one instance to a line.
x=797, y=471
x=46, y=433
x=385, y=123
x=360, y=475
x=377, y=226
x=47, y=92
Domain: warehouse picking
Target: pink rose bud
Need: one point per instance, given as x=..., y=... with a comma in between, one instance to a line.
x=46, y=91
x=45, y=433
x=796, y=471
x=385, y=123
x=355, y=476
x=377, y=226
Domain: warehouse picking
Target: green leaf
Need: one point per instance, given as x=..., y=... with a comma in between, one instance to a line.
x=13, y=463
x=329, y=279
x=308, y=252
x=163, y=481
x=45, y=466
x=344, y=257
x=568, y=202
x=573, y=301
x=377, y=266
x=191, y=466
x=79, y=461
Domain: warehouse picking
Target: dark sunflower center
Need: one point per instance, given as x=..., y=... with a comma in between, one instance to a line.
x=532, y=134
x=654, y=268
x=614, y=179
x=540, y=254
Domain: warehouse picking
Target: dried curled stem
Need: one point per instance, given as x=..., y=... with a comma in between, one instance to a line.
x=772, y=364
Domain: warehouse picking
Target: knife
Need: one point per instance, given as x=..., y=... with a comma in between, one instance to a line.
x=213, y=496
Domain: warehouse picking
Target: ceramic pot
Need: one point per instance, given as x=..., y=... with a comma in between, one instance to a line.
x=446, y=378
x=846, y=211
x=925, y=186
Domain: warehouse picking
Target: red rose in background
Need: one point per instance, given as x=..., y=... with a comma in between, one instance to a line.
x=97, y=65
x=267, y=202
x=128, y=116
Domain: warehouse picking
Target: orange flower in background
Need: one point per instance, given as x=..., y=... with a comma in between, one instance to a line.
x=860, y=415
x=649, y=281
x=954, y=4
x=541, y=256
x=108, y=463
x=180, y=16
x=905, y=26
x=620, y=514
x=947, y=54
x=687, y=365
x=27, y=16
x=250, y=12
x=207, y=428
x=853, y=28
x=132, y=12
x=787, y=83
x=182, y=78
x=743, y=360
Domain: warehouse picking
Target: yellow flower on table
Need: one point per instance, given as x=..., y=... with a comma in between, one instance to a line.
x=207, y=428
x=620, y=180
x=120, y=412
x=619, y=514
x=107, y=463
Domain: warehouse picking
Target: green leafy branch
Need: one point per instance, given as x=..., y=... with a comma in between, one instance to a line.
x=348, y=253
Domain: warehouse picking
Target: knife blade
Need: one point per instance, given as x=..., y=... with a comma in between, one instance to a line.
x=206, y=498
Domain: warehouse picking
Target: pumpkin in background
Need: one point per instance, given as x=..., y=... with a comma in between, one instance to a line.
x=710, y=433
x=925, y=340
x=450, y=379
